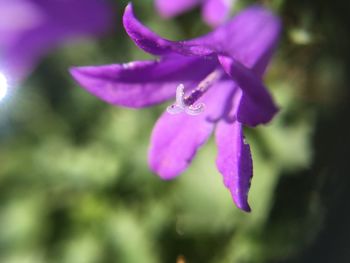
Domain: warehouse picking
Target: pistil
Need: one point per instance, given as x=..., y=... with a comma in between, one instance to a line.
x=188, y=103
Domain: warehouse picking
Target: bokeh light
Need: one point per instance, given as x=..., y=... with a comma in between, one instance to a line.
x=3, y=86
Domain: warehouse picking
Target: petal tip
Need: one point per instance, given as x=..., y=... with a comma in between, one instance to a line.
x=241, y=202
x=128, y=15
x=164, y=167
x=83, y=76
x=74, y=72
x=162, y=171
x=244, y=207
x=77, y=73
x=129, y=7
x=142, y=36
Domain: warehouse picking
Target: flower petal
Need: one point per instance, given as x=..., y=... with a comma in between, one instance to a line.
x=256, y=105
x=150, y=42
x=141, y=83
x=250, y=37
x=174, y=142
x=176, y=138
x=47, y=24
x=215, y=12
x=173, y=8
x=234, y=161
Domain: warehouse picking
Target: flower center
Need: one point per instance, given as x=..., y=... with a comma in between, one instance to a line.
x=188, y=103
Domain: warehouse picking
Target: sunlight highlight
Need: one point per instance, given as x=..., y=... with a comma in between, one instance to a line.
x=3, y=86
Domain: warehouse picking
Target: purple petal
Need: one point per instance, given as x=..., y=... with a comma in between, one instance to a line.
x=95, y=16
x=215, y=12
x=150, y=42
x=173, y=8
x=51, y=23
x=234, y=162
x=256, y=104
x=174, y=142
x=176, y=138
x=141, y=83
x=10, y=26
x=250, y=37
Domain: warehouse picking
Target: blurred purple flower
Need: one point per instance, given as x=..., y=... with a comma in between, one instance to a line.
x=29, y=28
x=214, y=12
x=222, y=70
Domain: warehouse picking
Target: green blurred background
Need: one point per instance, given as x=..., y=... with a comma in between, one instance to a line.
x=74, y=181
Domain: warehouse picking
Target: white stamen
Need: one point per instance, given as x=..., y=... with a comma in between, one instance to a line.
x=180, y=105
x=187, y=103
x=195, y=109
x=174, y=109
x=180, y=96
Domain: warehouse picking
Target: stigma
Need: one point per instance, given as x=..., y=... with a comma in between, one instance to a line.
x=188, y=104
x=181, y=104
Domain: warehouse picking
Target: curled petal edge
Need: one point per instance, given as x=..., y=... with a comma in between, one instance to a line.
x=256, y=105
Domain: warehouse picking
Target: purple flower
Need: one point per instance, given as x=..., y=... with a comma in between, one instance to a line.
x=214, y=12
x=219, y=86
x=29, y=28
